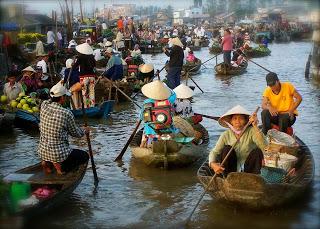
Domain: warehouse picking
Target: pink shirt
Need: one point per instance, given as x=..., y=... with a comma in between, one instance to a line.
x=227, y=43
x=191, y=57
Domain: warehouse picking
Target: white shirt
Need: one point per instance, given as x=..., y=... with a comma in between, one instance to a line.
x=97, y=54
x=43, y=65
x=50, y=37
x=59, y=36
x=12, y=92
x=39, y=48
x=183, y=108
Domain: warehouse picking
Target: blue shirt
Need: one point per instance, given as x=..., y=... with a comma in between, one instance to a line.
x=149, y=127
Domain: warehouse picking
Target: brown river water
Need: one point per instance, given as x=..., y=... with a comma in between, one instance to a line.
x=131, y=195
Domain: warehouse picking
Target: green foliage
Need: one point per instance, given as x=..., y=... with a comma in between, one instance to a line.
x=24, y=38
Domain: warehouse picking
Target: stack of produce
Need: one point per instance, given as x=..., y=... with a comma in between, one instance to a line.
x=25, y=103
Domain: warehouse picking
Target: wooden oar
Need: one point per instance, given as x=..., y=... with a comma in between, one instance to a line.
x=119, y=157
x=222, y=163
x=208, y=116
x=93, y=166
x=194, y=82
x=253, y=61
x=128, y=97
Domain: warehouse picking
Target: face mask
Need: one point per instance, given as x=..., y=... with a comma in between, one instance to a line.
x=238, y=132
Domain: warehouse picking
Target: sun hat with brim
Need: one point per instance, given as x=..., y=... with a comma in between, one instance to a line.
x=59, y=90
x=183, y=91
x=228, y=115
x=108, y=44
x=156, y=90
x=28, y=69
x=109, y=50
x=146, y=68
x=85, y=49
x=176, y=41
x=69, y=63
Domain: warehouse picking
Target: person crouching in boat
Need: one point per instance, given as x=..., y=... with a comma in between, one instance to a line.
x=280, y=102
x=247, y=154
x=86, y=64
x=157, y=112
x=237, y=57
x=114, y=69
x=191, y=57
x=146, y=72
x=56, y=123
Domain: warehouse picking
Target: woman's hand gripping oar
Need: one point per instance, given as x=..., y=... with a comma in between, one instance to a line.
x=93, y=166
x=222, y=163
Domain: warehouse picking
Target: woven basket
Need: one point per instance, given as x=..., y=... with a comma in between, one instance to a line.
x=280, y=142
x=184, y=126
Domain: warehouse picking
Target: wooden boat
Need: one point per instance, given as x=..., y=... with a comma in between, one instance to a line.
x=257, y=52
x=62, y=184
x=192, y=68
x=215, y=49
x=204, y=42
x=99, y=111
x=145, y=49
x=252, y=190
x=105, y=91
x=222, y=69
x=6, y=120
x=26, y=119
x=194, y=48
x=176, y=154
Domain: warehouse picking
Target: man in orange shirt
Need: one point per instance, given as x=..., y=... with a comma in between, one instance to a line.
x=120, y=23
x=279, y=104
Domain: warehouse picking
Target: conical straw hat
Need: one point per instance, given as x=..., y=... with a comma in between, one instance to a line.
x=156, y=90
x=227, y=116
x=28, y=69
x=85, y=49
x=176, y=41
x=183, y=92
x=146, y=68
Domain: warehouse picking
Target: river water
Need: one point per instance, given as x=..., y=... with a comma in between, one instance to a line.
x=131, y=195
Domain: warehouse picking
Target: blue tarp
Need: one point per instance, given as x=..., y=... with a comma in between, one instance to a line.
x=9, y=26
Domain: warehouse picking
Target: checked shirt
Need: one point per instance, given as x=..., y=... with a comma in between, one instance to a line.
x=56, y=123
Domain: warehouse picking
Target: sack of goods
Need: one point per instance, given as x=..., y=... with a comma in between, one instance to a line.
x=280, y=142
x=281, y=151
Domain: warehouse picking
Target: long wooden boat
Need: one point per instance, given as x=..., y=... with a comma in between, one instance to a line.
x=36, y=178
x=253, y=191
x=105, y=91
x=257, y=52
x=6, y=120
x=222, y=69
x=195, y=48
x=176, y=154
x=99, y=111
x=192, y=68
x=215, y=49
x=145, y=49
x=26, y=119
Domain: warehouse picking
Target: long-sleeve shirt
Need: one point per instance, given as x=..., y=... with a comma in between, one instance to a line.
x=74, y=76
x=176, y=56
x=56, y=123
x=248, y=142
x=114, y=69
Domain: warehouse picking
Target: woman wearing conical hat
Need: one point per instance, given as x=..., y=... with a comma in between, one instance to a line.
x=155, y=91
x=85, y=63
x=247, y=154
x=183, y=105
x=175, y=62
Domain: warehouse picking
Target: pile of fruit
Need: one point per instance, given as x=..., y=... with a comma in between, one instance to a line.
x=26, y=103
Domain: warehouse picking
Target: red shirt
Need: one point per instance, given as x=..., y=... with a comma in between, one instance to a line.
x=227, y=43
x=120, y=24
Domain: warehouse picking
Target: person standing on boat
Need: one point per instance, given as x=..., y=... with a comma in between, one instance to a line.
x=114, y=68
x=39, y=47
x=86, y=64
x=73, y=81
x=56, y=123
x=247, y=154
x=227, y=46
x=175, y=63
x=50, y=39
x=280, y=102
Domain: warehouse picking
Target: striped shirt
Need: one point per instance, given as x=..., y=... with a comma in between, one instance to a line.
x=56, y=123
